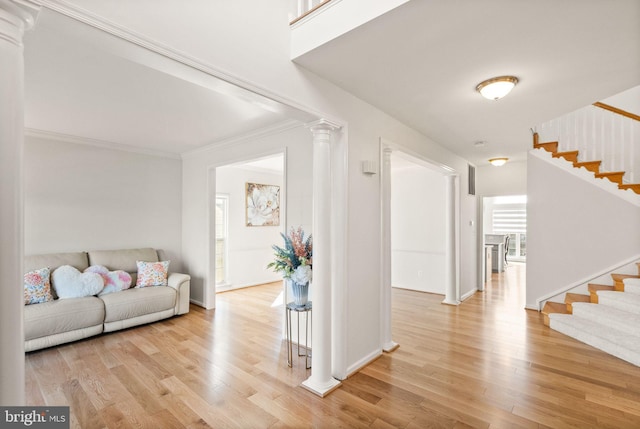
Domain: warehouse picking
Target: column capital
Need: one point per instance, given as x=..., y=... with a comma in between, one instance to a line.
x=16, y=17
x=323, y=125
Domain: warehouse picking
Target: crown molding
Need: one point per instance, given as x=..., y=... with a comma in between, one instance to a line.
x=260, y=133
x=67, y=138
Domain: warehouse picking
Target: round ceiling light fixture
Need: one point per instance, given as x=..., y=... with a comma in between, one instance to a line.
x=496, y=87
x=498, y=162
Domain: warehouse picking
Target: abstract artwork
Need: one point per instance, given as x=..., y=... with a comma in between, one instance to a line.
x=263, y=204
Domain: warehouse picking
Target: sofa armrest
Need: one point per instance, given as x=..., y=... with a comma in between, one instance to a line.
x=182, y=284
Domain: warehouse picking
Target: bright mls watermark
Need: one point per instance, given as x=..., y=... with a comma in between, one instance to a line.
x=34, y=417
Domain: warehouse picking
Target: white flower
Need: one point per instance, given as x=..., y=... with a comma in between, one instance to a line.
x=302, y=274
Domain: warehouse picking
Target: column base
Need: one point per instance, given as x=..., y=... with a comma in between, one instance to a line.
x=321, y=389
x=450, y=302
x=390, y=346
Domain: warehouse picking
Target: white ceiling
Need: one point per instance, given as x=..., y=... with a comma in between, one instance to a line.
x=76, y=86
x=421, y=63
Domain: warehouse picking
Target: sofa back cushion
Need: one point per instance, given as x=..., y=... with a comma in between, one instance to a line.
x=78, y=260
x=123, y=259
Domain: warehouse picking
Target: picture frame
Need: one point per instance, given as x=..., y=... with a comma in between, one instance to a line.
x=262, y=204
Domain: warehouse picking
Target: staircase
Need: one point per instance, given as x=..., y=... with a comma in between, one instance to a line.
x=608, y=318
x=592, y=166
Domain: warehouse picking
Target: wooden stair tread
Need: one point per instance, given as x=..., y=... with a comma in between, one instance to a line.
x=553, y=307
x=571, y=156
x=570, y=298
x=635, y=187
x=576, y=297
x=618, y=280
x=594, y=288
x=614, y=176
x=620, y=277
x=548, y=146
x=593, y=166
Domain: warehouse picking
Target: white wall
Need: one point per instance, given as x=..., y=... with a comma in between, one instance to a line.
x=510, y=179
x=80, y=197
x=259, y=57
x=198, y=166
x=628, y=100
x=418, y=229
x=249, y=248
x=574, y=229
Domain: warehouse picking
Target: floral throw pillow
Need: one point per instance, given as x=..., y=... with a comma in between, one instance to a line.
x=37, y=288
x=152, y=273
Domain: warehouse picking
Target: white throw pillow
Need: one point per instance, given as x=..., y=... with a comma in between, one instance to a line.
x=68, y=282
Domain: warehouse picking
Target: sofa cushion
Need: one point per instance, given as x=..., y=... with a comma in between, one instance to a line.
x=78, y=260
x=62, y=315
x=137, y=302
x=37, y=288
x=122, y=259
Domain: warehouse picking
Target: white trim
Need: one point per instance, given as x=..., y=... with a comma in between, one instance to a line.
x=67, y=138
x=357, y=366
x=468, y=295
x=262, y=132
x=198, y=303
x=590, y=278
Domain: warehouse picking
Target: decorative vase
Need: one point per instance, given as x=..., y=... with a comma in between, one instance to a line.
x=300, y=293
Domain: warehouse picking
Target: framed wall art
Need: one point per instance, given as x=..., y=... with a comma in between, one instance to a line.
x=263, y=204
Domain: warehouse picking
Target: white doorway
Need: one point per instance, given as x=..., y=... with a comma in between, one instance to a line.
x=418, y=246
x=244, y=229
x=446, y=209
x=507, y=215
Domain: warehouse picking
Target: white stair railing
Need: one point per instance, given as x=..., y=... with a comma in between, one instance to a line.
x=598, y=134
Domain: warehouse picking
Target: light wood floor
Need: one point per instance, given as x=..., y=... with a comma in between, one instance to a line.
x=487, y=363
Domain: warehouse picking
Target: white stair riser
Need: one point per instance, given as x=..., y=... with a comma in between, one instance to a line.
x=599, y=336
x=632, y=286
x=624, y=301
x=609, y=316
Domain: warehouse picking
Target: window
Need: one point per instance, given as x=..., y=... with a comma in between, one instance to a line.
x=222, y=229
x=511, y=218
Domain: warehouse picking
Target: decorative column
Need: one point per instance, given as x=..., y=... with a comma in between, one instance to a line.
x=14, y=20
x=388, y=345
x=321, y=382
x=451, y=297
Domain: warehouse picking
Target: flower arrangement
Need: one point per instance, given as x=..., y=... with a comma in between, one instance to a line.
x=295, y=259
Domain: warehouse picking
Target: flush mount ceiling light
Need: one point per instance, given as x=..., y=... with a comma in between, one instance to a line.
x=498, y=162
x=497, y=87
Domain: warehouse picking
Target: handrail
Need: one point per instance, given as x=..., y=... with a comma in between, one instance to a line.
x=616, y=110
x=310, y=11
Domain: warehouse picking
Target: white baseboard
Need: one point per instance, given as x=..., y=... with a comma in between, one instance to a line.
x=468, y=295
x=357, y=366
x=198, y=303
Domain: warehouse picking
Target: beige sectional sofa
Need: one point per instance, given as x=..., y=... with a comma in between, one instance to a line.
x=63, y=320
